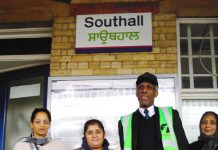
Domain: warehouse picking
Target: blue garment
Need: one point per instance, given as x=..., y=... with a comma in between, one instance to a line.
x=86, y=147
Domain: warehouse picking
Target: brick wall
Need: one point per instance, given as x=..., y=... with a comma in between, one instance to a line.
x=162, y=59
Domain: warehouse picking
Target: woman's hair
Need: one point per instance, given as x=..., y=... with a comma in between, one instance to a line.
x=37, y=110
x=208, y=113
x=92, y=122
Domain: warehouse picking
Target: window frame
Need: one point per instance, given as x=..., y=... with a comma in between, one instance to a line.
x=193, y=93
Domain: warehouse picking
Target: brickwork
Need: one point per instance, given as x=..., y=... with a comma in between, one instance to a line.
x=162, y=59
x=105, y=1
x=114, y=6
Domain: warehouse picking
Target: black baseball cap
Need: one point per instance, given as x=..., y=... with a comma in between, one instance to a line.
x=147, y=77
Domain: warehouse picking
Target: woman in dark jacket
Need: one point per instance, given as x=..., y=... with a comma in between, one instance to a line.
x=94, y=136
x=208, y=139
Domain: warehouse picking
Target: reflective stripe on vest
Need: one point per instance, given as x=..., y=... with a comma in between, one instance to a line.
x=166, y=126
x=127, y=131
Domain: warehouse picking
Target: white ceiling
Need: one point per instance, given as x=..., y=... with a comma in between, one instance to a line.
x=15, y=62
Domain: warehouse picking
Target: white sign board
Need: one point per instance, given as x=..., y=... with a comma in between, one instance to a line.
x=73, y=101
x=114, y=32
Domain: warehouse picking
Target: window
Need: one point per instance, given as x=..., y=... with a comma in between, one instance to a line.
x=198, y=70
x=198, y=43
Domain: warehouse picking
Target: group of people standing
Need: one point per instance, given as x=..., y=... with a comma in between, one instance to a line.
x=148, y=128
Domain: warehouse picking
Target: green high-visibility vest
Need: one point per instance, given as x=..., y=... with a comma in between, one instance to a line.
x=166, y=128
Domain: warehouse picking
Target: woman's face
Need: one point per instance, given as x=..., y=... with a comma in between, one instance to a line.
x=94, y=136
x=208, y=125
x=40, y=125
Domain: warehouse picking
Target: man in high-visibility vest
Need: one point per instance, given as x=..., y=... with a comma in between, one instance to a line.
x=150, y=127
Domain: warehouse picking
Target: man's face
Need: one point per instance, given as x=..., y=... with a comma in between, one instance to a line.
x=146, y=92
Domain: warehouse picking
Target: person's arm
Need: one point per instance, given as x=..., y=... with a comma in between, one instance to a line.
x=120, y=130
x=179, y=131
x=20, y=146
x=16, y=147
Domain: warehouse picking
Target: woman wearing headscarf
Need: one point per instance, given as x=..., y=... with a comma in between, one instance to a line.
x=94, y=136
x=208, y=139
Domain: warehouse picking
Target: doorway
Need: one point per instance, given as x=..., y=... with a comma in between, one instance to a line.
x=21, y=92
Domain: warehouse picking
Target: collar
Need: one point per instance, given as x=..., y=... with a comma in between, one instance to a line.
x=150, y=109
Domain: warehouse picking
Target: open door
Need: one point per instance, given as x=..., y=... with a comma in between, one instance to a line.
x=21, y=92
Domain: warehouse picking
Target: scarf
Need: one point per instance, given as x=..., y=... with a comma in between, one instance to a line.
x=212, y=142
x=36, y=141
x=86, y=147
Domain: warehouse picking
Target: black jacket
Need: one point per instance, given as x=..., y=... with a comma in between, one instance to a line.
x=206, y=144
x=197, y=145
x=177, y=125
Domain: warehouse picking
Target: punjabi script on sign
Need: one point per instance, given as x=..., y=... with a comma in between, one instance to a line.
x=104, y=35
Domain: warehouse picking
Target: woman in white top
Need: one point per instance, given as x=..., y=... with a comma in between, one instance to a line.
x=40, y=123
